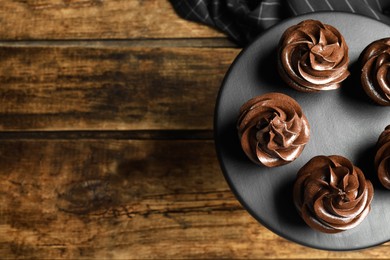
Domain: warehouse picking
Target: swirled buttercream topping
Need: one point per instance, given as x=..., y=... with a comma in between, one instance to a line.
x=382, y=158
x=331, y=194
x=313, y=56
x=375, y=76
x=273, y=129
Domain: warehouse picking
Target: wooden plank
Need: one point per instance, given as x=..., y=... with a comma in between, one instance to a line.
x=129, y=199
x=95, y=19
x=110, y=88
x=113, y=134
x=119, y=43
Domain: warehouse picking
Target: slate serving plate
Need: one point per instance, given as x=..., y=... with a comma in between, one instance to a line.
x=343, y=122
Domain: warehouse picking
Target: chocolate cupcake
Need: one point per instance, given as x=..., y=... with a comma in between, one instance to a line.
x=273, y=129
x=375, y=60
x=331, y=194
x=382, y=158
x=313, y=56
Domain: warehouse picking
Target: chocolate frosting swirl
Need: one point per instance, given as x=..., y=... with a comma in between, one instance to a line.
x=331, y=194
x=382, y=158
x=273, y=129
x=313, y=56
x=375, y=76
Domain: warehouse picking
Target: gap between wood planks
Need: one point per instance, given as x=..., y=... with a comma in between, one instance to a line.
x=110, y=134
x=174, y=42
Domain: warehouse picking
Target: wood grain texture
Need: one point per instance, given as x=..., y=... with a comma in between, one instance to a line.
x=80, y=81
x=127, y=199
x=95, y=19
x=110, y=88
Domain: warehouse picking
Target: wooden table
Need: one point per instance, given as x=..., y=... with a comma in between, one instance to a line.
x=107, y=145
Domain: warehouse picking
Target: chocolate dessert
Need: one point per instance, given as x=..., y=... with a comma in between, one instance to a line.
x=382, y=158
x=331, y=194
x=375, y=60
x=313, y=56
x=273, y=129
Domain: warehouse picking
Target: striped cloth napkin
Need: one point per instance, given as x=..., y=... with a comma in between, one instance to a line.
x=243, y=20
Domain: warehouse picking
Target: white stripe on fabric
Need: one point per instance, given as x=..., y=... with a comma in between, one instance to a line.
x=269, y=18
x=292, y=8
x=330, y=6
x=350, y=6
x=264, y=18
x=379, y=5
x=272, y=3
x=309, y=5
x=372, y=11
x=260, y=12
x=226, y=28
x=192, y=9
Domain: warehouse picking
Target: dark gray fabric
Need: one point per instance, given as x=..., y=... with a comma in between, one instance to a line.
x=243, y=20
